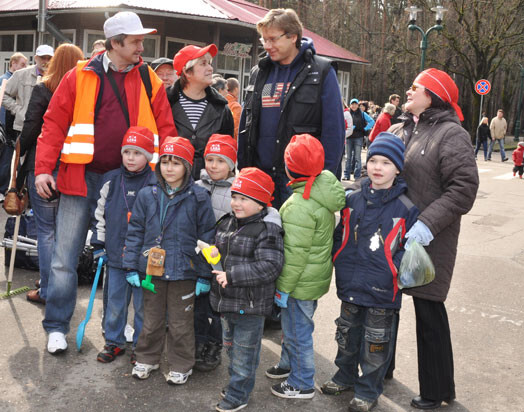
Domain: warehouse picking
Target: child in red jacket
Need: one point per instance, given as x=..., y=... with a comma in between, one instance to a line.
x=518, y=165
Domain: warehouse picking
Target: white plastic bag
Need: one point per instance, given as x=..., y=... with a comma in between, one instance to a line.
x=416, y=267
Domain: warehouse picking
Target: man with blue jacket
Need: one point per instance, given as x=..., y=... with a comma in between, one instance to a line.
x=292, y=91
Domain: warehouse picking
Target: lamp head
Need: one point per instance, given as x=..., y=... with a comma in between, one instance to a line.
x=413, y=10
x=439, y=10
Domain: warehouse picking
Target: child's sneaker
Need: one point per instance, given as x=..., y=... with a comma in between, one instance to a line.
x=143, y=370
x=109, y=353
x=360, y=405
x=178, y=378
x=332, y=388
x=276, y=372
x=211, y=358
x=285, y=390
x=226, y=406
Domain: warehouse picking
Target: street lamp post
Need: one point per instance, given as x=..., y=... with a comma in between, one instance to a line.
x=519, y=105
x=413, y=10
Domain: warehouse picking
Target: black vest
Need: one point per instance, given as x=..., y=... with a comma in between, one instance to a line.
x=301, y=110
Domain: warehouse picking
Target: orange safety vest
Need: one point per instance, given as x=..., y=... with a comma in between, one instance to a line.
x=79, y=145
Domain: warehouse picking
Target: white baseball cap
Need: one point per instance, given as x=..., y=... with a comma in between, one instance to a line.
x=125, y=22
x=45, y=50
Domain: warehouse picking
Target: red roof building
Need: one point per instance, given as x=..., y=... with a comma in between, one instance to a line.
x=231, y=24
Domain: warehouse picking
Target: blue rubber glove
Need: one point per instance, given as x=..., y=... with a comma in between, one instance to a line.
x=281, y=298
x=202, y=286
x=98, y=253
x=420, y=233
x=133, y=279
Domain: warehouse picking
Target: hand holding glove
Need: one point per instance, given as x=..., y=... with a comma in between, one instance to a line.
x=420, y=233
x=281, y=298
x=133, y=279
x=202, y=286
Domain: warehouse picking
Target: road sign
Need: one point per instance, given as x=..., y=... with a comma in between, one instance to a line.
x=482, y=87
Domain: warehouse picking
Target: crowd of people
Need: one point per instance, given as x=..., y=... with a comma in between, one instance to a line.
x=158, y=160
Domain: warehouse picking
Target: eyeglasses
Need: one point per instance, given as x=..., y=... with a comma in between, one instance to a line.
x=414, y=88
x=272, y=40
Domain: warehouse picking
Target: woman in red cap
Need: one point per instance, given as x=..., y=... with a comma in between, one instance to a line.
x=198, y=109
x=442, y=179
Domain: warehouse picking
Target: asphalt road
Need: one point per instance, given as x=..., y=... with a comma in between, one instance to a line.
x=485, y=306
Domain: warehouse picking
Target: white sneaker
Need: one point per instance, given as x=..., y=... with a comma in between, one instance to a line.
x=143, y=370
x=178, y=378
x=128, y=332
x=56, y=343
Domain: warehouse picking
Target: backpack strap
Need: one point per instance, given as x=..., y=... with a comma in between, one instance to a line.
x=144, y=74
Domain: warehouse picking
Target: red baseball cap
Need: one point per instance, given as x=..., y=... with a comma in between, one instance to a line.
x=179, y=147
x=255, y=184
x=304, y=155
x=224, y=146
x=190, y=53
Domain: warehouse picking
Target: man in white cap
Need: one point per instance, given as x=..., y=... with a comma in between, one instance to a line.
x=90, y=112
x=20, y=85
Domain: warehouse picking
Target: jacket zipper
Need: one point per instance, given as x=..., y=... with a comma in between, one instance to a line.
x=225, y=265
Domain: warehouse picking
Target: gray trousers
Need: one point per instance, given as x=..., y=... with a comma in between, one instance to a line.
x=176, y=300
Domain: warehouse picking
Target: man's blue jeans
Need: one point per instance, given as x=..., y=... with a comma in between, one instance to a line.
x=353, y=153
x=501, y=145
x=45, y=218
x=119, y=297
x=365, y=336
x=72, y=223
x=297, y=347
x=242, y=339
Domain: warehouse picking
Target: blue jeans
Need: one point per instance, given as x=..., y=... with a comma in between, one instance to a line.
x=208, y=327
x=119, y=295
x=242, y=336
x=297, y=347
x=45, y=218
x=282, y=192
x=72, y=222
x=484, y=144
x=353, y=153
x=365, y=336
x=501, y=145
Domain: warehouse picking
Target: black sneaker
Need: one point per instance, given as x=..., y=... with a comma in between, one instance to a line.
x=212, y=357
x=505, y=159
x=226, y=406
x=276, y=372
x=285, y=390
x=109, y=353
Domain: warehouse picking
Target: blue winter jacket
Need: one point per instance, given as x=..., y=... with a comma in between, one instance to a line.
x=117, y=196
x=189, y=218
x=368, y=244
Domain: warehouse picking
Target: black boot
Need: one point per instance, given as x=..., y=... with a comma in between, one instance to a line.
x=212, y=357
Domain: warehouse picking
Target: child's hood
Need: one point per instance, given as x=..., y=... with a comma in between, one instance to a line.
x=326, y=190
x=273, y=216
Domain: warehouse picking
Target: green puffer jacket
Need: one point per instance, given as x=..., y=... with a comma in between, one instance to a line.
x=308, y=239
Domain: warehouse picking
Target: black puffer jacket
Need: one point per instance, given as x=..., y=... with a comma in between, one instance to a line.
x=252, y=255
x=217, y=118
x=34, y=119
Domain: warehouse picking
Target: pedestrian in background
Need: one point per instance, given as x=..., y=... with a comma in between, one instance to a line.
x=383, y=122
x=483, y=137
x=518, y=164
x=498, y=128
x=163, y=68
x=233, y=89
